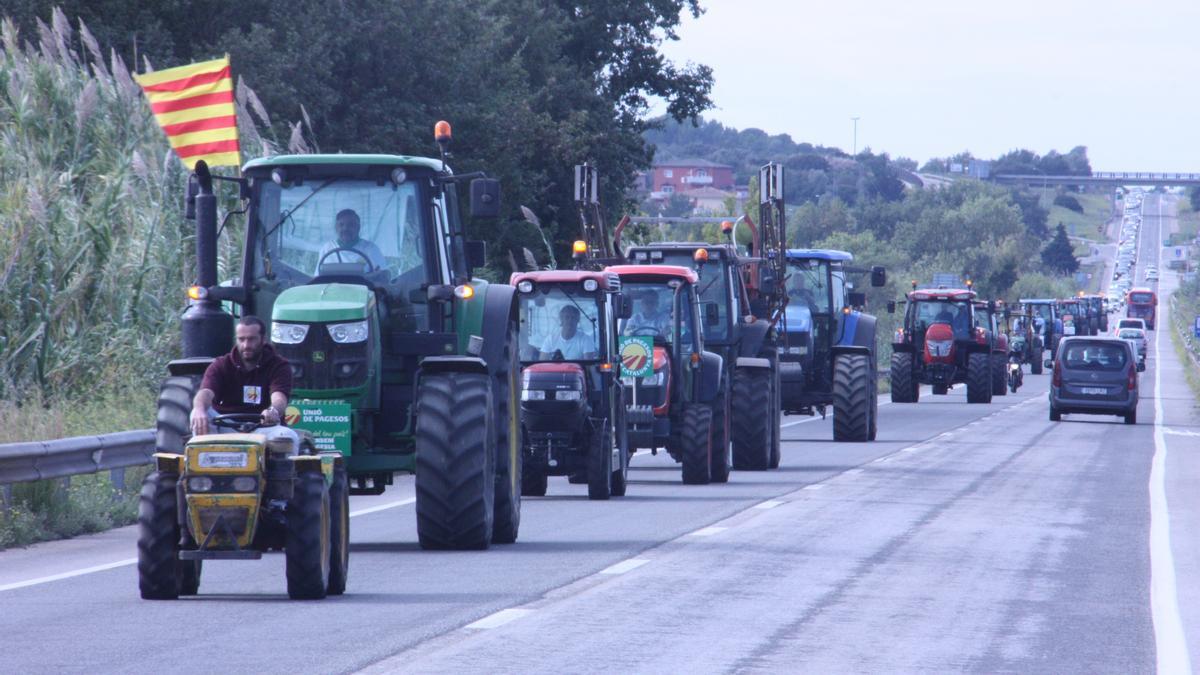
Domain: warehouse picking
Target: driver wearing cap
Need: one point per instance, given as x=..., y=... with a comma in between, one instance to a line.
x=250, y=379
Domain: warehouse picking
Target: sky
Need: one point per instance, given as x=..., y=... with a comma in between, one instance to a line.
x=931, y=78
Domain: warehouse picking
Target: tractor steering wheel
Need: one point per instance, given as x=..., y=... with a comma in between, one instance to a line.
x=243, y=422
x=347, y=249
x=644, y=330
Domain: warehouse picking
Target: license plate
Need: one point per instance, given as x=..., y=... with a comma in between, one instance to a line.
x=222, y=460
x=1099, y=391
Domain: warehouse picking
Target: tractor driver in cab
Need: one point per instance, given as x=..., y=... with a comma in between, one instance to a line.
x=250, y=379
x=649, y=319
x=347, y=227
x=799, y=291
x=569, y=343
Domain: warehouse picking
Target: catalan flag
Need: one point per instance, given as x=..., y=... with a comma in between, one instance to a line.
x=194, y=106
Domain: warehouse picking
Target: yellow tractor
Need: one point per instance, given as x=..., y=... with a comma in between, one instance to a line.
x=234, y=496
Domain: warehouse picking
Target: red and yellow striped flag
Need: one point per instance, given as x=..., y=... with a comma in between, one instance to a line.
x=194, y=106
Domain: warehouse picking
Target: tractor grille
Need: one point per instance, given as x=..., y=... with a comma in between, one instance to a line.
x=321, y=363
x=235, y=518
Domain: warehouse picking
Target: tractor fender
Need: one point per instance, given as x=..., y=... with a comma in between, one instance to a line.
x=905, y=347
x=452, y=364
x=754, y=335
x=194, y=365
x=858, y=330
x=499, y=303
x=709, y=383
x=749, y=362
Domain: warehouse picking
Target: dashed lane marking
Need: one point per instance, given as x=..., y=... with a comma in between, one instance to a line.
x=708, y=531
x=769, y=504
x=624, y=566
x=499, y=618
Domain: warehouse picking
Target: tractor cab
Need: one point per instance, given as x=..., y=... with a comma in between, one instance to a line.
x=945, y=340
x=1047, y=322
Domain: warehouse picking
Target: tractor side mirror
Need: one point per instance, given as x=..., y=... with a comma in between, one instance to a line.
x=1141, y=366
x=189, y=203
x=485, y=198
x=625, y=308
x=712, y=316
x=891, y=306
x=878, y=276
x=476, y=251
x=857, y=299
x=1048, y=363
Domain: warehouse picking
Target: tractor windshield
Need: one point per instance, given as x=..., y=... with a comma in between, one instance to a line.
x=713, y=288
x=341, y=226
x=653, y=313
x=559, y=324
x=808, y=285
x=955, y=313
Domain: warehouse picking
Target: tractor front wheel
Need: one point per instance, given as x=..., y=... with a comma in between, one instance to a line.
x=721, y=458
x=999, y=375
x=599, y=463
x=160, y=572
x=1035, y=367
x=979, y=378
x=852, y=393
x=509, y=453
x=307, y=546
x=456, y=461
x=905, y=387
x=339, y=531
x=695, y=441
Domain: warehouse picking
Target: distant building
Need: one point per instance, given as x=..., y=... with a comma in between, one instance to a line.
x=684, y=175
x=708, y=200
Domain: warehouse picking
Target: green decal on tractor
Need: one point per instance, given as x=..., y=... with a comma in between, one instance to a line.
x=327, y=421
x=637, y=355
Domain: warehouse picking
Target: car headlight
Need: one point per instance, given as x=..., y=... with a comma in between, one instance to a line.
x=568, y=395
x=245, y=484
x=288, y=333
x=347, y=333
x=200, y=484
x=533, y=394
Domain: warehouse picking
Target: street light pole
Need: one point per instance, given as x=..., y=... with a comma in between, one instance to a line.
x=855, y=119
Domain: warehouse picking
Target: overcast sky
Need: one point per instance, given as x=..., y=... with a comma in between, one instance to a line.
x=930, y=78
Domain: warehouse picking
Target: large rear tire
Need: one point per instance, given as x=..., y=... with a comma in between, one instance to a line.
x=456, y=461
x=999, y=375
x=1035, y=367
x=852, y=393
x=751, y=419
x=307, y=549
x=172, y=427
x=905, y=387
x=600, y=447
x=720, y=441
x=771, y=353
x=695, y=441
x=160, y=572
x=509, y=455
x=979, y=378
x=339, y=531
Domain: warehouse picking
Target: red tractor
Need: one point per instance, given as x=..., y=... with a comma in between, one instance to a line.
x=673, y=406
x=572, y=405
x=941, y=344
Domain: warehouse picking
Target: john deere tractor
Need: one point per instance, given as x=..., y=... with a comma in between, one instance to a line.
x=233, y=496
x=828, y=352
x=401, y=360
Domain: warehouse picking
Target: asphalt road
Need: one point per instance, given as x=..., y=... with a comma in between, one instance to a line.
x=969, y=537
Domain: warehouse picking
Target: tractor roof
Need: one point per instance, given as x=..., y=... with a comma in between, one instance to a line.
x=670, y=271
x=956, y=294
x=1038, y=301
x=607, y=280
x=687, y=246
x=817, y=254
x=309, y=160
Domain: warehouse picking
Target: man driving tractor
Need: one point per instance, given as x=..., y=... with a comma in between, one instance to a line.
x=347, y=226
x=250, y=379
x=569, y=343
x=649, y=320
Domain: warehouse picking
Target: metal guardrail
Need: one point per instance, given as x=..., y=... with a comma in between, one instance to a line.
x=66, y=457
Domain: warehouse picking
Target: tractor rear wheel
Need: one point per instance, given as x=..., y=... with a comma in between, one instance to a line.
x=1036, y=367
x=852, y=391
x=695, y=444
x=339, y=531
x=533, y=481
x=751, y=419
x=905, y=387
x=599, y=462
x=979, y=378
x=999, y=375
x=776, y=409
x=874, y=431
x=456, y=461
x=307, y=549
x=721, y=458
x=509, y=453
x=160, y=571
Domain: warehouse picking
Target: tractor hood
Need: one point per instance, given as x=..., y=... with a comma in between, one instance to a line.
x=323, y=302
x=798, y=318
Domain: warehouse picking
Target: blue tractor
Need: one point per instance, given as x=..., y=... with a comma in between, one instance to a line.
x=827, y=354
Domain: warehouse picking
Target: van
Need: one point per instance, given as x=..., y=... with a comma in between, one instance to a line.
x=1095, y=376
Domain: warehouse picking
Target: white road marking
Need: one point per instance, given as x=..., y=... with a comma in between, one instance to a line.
x=792, y=424
x=852, y=472
x=814, y=486
x=499, y=618
x=1180, y=432
x=1169, y=640
x=708, y=531
x=625, y=566
x=133, y=561
x=769, y=504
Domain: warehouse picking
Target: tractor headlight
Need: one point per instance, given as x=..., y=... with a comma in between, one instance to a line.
x=566, y=395
x=244, y=484
x=795, y=351
x=533, y=394
x=288, y=333
x=346, y=333
x=590, y=285
x=200, y=484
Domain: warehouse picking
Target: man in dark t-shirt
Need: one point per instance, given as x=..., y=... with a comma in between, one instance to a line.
x=250, y=379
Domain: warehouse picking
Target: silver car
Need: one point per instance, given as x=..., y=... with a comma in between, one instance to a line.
x=1138, y=337
x=1095, y=376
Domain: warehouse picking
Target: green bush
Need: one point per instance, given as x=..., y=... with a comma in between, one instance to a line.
x=56, y=509
x=1068, y=202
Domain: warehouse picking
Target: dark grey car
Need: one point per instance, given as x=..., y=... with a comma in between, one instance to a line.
x=1095, y=375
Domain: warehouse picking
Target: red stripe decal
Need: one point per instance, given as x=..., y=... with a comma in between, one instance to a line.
x=192, y=102
x=207, y=148
x=189, y=82
x=206, y=124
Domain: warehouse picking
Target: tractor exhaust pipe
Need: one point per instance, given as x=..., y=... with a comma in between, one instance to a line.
x=207, y=329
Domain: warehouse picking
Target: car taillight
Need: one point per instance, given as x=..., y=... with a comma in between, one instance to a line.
x=1057, y=379
x=1132, y=378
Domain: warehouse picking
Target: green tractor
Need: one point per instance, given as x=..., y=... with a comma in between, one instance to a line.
x=401, y=360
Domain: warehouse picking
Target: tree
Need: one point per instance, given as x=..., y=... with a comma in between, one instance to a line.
x=1059, y=255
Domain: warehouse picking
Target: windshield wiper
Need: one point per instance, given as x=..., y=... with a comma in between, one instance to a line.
x=288, y=214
